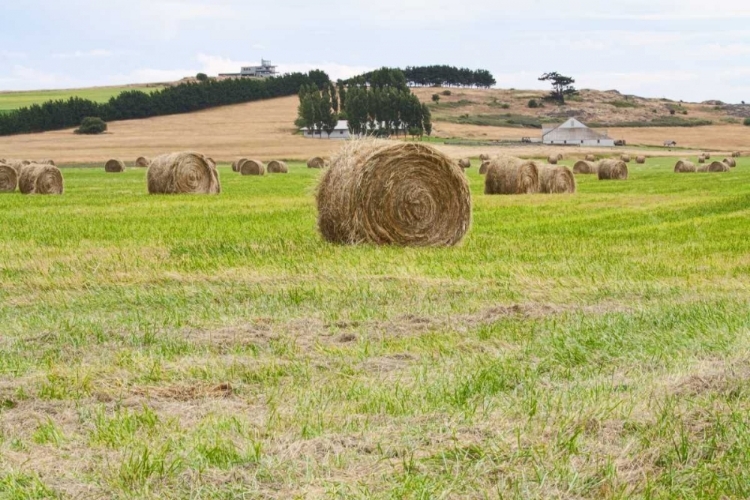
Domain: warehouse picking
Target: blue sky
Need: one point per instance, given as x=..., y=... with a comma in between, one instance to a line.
x=691, y=50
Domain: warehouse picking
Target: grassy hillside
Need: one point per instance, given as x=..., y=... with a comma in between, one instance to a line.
x=586, y=346
x=14, y=100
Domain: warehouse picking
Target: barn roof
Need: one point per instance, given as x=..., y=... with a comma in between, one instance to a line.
x=572, y=130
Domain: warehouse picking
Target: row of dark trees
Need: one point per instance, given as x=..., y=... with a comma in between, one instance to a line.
x=183, y=98
x=440, y=76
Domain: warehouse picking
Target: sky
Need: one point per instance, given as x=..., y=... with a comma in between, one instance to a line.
x=693, y=50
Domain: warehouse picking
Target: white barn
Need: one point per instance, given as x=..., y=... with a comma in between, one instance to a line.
x=340, y=132
x=575, y=133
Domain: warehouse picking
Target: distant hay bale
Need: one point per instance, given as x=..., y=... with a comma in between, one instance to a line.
x=701, y=159
x=684, y=166
x=8, y=178
x=640, y=160
x=484, y=157
x=483, y=168
x=252, y=167
x=277, y=167
x=315, y=162
x=612, y=170
x=552, y=159
x=464, y=163
x=560, y=157
x=114, y=166
x=142, y=162
x=40, y=179
x=715, y=166
x=736, y=154
x=625, y=158
x=707, y=156
x=508, y=175
x=556, y=179
x=387, y=193
x=234, y=166
x=585, y=167
x=730, y=161
x=182, y=173
x=590, y=158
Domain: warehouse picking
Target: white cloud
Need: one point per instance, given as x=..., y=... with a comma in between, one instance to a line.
x=9, y=54
x=257, y=46
x=79, y=54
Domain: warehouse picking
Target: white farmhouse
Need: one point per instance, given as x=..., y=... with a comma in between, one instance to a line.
x=573, y=133
x=265, y=70
x=340, y=132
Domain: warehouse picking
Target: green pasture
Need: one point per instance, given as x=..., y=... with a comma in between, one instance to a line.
x=14, y=100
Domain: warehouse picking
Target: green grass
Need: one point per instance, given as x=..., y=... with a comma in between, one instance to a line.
x=15, y=100
x=586, y=346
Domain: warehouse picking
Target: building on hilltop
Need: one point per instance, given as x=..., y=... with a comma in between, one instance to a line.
x=575, y=133
x=265, y=70
x=340, y=132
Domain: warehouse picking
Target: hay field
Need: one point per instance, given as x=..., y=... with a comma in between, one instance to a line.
x=585, y=346
x=14, y=100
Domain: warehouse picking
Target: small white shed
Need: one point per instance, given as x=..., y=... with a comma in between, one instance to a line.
x=340, y=132
x=575, y=133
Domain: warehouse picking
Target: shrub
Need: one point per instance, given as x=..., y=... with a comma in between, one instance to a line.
x=446, y=92
x=201, y=77
x=436, y=97
x=671, y=111
x=684, y=112
x=533, y=103
x=747, y=122
x=92, y=125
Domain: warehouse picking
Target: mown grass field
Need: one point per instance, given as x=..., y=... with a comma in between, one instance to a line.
x=586, y=346
x=14, y=100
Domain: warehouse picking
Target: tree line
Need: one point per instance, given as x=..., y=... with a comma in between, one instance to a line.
x=379, y=104
x=442, y=76
x=133, y=104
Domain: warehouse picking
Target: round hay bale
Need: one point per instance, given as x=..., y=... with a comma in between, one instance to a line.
x=625, y=158
x=46, y=162
x=277, y=167
x=114, y=166
x=715, y=166
x=211, y=162
x=508, y=175
x=40, y=179
x=560, y=157
x=684, y=166
x=483, y=168
x=730, y=162
x=142, y=161
x=464, y=163
x=552, y=159
x=484, y=157
x=556, y=179
x=590, y=158
x=613, y=170
x=182, y=173
x=316, y=162
x=8, y=178
x=403, y=194
x=640, y=160
x=234, y=166
x=701, y=159
x=707, y=156
x=252, y=167
x=736, y=154
x=585, y=167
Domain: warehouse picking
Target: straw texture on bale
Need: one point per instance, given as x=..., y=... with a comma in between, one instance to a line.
x=401, y=194
x=730, y=161
x=252, y=167
x=277, y=167
x=8, y=178
x=182, y=173
x=612, y=170
x=47, y=162
x=315, y=162
x=483, y=168
x=40, y=179
x=555, y=179
x=211, y=162
x=684, y=166
x=640, y=160
x=590, y=158
x=464, y=163
x=508, y=175
x=715, y=166
x=114, y=166
x=142, y=162
x=552, y=159
x=484, y=157
x=625, y=158
x=585, y=167
x=701, y=159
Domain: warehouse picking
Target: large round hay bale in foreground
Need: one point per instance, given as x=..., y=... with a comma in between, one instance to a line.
x=182, y=173
x=40, y=179
x=552, y=159
x=114, y=166
x=590, y=158
x=142, y=162
x=8, y=178
x=483, y=168
x=556, y=179
x=640, y=160
x=612, y=170
x=585, y=167
x=393, y=194
x=508, y=175
x=277, y=167
x=316, y=162
x=252, y=167
x=464, y=163
x=211, y=162
x=684, y=166
x=625, y=158
x=730, y=161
